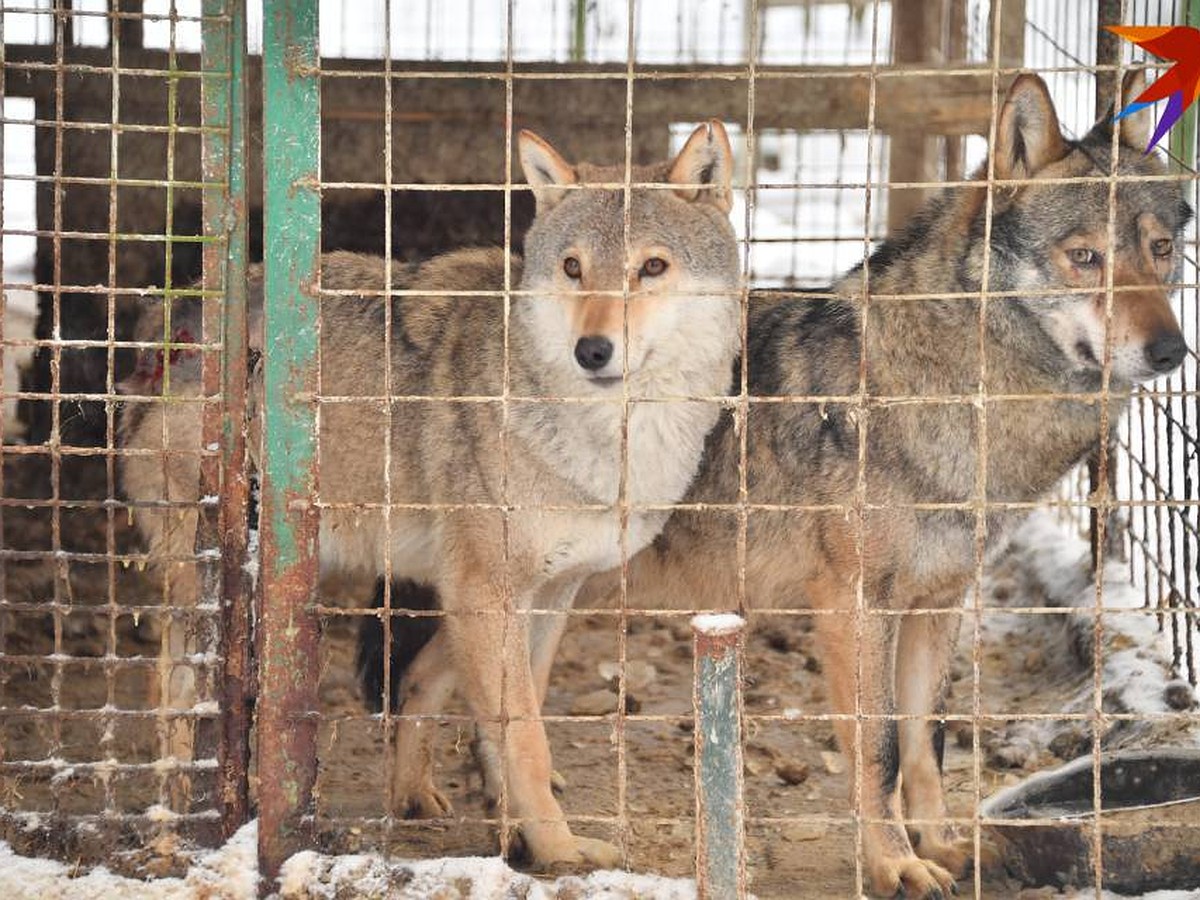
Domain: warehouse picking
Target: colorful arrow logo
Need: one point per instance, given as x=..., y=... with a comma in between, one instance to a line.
x=1180, y=84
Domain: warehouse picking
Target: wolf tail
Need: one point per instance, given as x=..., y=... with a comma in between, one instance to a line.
x=409, y=635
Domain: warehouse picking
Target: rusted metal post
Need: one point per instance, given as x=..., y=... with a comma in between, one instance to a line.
x=288, y=629
x=720, y=811
x=223, y=111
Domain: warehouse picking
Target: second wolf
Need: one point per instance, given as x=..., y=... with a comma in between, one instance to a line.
x=521, y=431
x=918, y=425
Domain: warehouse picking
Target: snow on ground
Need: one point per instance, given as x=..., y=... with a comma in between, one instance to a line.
x=311, y=876
x=230, y=873
x=1050, y=569
x=1135, y=654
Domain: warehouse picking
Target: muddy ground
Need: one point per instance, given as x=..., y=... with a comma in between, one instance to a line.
x=78, y=736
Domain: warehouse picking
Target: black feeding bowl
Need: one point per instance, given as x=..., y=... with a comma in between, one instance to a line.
x=1149, y=823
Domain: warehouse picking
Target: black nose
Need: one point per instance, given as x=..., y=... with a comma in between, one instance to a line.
x=593, y=352
x=1166, y=352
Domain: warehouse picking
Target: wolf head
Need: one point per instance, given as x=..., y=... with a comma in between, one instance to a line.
x=1053, y=234
x=676, y=263
x=153, y=366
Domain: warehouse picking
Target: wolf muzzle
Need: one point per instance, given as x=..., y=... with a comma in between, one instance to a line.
x=1166, y=352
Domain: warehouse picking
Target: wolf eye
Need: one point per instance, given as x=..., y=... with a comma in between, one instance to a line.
x=1083, y=257
x=653, y=267
x=572, y=267
x=1162, y=247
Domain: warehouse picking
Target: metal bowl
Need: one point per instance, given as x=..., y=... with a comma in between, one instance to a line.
x=1149, y=823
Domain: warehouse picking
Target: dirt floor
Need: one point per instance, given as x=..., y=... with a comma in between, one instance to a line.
x=633, y=774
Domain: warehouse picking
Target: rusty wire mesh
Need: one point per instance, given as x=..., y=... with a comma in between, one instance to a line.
x=111, y=188
x=419, y=102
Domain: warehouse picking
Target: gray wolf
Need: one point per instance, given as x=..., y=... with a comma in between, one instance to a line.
x=916, y=416
x=528, y=434
x=952, y=409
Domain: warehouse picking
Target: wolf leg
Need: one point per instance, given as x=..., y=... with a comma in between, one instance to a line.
x=172, y=474
x=490, y=645
x=177, y=646
x=924, y=652
x=860, y=680
x=425, y=690
x=545, y=634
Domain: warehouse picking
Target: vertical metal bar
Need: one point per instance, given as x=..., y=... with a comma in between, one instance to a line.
x=224, y=161
x=1183, y=152
x=110, y=724
x=287, y=678
x=720, y=810
x=125, y=24
x=1102, y=470
x=1183, y=134
x=178, y=609
x=579, y=31
x=61, y=574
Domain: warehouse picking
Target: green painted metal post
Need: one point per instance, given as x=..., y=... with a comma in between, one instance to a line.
x=288, y=627
x=579, y=31
x=1183, y=135
x=223, y=151
x=720, y=811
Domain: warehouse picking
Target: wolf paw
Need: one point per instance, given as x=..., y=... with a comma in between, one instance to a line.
x=425, y=802
x=953, y=856
x=940, y=845
x=579, y=854
x=919, y=879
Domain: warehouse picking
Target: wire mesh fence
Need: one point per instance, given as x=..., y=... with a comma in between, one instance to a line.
x=894, y=479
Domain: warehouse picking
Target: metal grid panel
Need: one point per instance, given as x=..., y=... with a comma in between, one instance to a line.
x=123, y=172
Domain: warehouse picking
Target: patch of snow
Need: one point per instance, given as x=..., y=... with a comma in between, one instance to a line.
x=231, y=873
x=312, y=876
x=1135, y=658
x=718, y=623
x=228, y=873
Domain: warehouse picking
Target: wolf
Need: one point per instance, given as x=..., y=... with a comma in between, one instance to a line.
x=535, y=436
x=898, y=421
x=907, y=420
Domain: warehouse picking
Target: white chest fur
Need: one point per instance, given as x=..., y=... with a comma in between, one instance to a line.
x=581, y=444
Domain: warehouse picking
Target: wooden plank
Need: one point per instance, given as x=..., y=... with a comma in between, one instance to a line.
x=913, y=152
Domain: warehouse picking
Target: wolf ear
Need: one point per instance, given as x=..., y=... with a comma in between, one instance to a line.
x=706, y=159
x=544, y=169
x=1028, y=136
x=1137, y=126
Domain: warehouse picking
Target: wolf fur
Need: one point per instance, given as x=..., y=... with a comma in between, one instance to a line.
x=626, y=305
x=884, y=562
x=888, y=368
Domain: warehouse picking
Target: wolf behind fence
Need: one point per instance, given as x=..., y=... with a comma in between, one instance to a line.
x=931, y=453
x=921, y=437
x=627, y=307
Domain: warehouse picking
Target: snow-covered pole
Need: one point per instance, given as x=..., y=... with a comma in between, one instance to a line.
x=717, y=699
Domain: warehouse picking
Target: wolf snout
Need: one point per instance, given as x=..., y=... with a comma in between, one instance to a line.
x=1166, y=352
x=593, y=352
